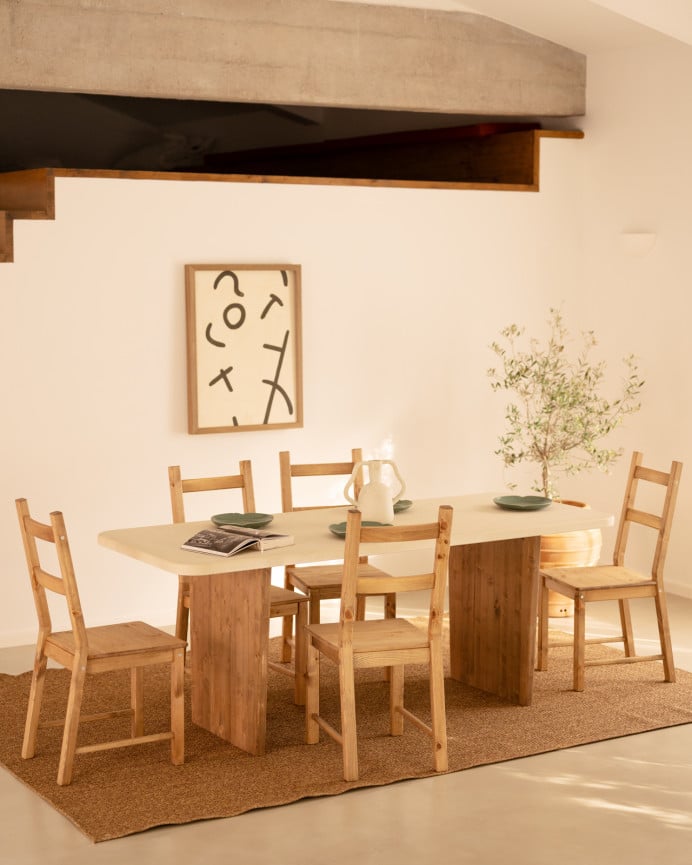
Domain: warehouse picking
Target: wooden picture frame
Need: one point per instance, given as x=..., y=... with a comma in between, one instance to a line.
x=244, y=357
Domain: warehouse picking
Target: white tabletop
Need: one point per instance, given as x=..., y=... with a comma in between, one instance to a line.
x=476, y=520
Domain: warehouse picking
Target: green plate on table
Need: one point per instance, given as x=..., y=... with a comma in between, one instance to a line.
x=249, y=521
x=339, y=529
x=522, y=503
x=402, y=505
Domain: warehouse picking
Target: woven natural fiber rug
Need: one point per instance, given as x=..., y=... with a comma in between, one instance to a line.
x=120, y=792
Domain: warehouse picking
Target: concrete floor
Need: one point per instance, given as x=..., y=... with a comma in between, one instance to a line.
x=626, y=800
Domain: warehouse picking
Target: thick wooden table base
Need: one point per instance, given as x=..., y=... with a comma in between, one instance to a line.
x=493, y=586
x=229, y=639
x=493, y=603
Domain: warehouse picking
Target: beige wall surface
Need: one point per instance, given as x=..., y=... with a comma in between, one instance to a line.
x=636, y=290
x=403, y=290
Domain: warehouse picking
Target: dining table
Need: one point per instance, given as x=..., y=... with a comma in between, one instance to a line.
x=493, y=598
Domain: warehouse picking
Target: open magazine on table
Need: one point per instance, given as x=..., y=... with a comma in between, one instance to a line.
x=229, y=540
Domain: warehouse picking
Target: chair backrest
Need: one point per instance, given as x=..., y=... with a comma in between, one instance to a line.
x=42, y=580
x=291, y=470
x=179, y=486
x=660, y=522
x=434, y=580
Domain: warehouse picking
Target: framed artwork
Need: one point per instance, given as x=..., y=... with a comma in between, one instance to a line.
x=244, y=364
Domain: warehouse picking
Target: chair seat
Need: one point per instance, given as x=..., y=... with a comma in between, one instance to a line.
x=277, y=595
x=126, y=638
x=280, y=596
x=598, y=577
x=319, y=577
x=375, y=635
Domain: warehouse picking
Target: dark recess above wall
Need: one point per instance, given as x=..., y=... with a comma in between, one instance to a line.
x=86, y=131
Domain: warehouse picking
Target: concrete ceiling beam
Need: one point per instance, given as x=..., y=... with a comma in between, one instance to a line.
x=303, y=52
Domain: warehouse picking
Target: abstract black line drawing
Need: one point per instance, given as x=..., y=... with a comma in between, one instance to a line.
x=234, y=277
x=273, y=298
x=211, y=339
x=238, y=309
x=223, y=376
x=243, y=347
x=274, y=383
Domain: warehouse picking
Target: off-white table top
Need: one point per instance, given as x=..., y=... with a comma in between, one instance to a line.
x=476, y=520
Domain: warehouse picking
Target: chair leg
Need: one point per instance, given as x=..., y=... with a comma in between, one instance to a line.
x=360, y=608
x=314, y=605
x=137, y=700
x=312, y=694
x=389, y=613
x=178, y=707
x=300, y=666
x=542, y=648
x=74, y=705
x=349, y=735
x=396, y=699
x=287, y=639
x=182, y=615
x=579, y=641
x=38, y=679
x=626, y=625
x=437, y=709
x=664, y=635
x=287, y=629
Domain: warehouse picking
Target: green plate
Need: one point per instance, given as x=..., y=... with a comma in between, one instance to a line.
x=522, y=503
x=339, y=529
x=250, y=521
x=402, y=505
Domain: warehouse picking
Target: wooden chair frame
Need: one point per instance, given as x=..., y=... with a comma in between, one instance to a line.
x=321, y=582
x=618, y=582
x=285, y=604
x=178, y=487
x=131, y=645
x=391, y=643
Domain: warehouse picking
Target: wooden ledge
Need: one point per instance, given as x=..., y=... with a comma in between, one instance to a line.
x=506, y=161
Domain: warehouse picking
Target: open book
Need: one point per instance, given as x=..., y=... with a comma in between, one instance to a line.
x=229, y=540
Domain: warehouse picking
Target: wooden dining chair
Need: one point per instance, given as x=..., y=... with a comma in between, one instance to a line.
x=178, y=487
x=82, y=650
x=283, y=603
x=321, y=582
x=618, y=581
x=388, y=643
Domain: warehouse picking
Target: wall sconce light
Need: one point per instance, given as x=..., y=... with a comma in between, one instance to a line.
x=637, y=244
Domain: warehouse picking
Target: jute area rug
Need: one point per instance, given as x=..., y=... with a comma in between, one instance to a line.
x=124, y=791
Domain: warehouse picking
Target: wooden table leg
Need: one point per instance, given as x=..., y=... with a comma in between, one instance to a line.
x=493, y=598
x=229, y=637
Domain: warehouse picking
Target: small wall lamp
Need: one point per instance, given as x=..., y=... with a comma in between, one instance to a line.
x=638, y=243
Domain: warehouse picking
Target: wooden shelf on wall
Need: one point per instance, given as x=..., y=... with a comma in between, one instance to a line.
x=481, y=157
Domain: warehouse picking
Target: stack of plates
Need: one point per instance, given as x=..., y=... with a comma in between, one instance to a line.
x=522, y=503
x=250, y=521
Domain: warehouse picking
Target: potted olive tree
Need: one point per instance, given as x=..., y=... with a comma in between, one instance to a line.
x=558, y=420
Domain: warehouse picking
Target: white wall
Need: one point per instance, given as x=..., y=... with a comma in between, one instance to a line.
x=638, y=178
x=403, y=290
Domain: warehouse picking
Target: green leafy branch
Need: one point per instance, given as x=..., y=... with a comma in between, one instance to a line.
x=560, y=416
